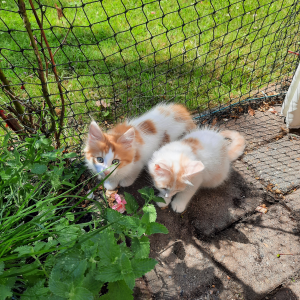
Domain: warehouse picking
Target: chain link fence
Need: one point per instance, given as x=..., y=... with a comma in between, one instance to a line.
x=65, y=62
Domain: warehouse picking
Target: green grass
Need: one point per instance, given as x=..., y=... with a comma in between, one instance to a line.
x=205, y=53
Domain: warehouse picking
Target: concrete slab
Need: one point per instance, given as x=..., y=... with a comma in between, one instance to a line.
x=249, y=250
x=212, y=210
x=257, y=129
x=293, y=201
x=184, y=270
x=291, y=291
x=277, y=163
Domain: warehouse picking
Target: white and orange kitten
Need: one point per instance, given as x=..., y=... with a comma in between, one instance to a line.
x=130, y=145
x=200, y=159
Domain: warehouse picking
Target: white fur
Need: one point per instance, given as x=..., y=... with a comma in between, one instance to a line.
x=127, y=175
x=216, y=163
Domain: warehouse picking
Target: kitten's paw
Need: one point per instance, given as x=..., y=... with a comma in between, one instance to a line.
x=161, y=204
x=178, y=206
x=127, y=182
x=110, y=185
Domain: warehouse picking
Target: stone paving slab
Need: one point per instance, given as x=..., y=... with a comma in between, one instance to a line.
x=277, y=163
x=185, y=270
x=249, y=250
x=293, y=201
x=291, y=291
x=212, y=210
x=257, y=129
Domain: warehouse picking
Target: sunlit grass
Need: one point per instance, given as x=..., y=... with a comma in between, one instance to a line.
x=135, y=54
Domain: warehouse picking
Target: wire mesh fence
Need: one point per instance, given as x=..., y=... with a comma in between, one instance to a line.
x=63, y=62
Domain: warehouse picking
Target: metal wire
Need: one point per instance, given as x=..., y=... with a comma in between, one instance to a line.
x=117, y=59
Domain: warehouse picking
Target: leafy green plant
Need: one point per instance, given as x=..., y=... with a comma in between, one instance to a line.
x=79, y=263
x=47, y=252
x=33, y=160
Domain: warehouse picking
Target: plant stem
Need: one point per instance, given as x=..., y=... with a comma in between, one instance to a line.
x=36, y=258
x=18, y=106
x=62, y=115
x=22, y=10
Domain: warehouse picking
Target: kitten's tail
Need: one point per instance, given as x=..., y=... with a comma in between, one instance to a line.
x=237, y=146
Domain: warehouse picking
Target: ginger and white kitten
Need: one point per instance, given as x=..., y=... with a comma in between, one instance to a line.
x=200, y=159
x=130, y=145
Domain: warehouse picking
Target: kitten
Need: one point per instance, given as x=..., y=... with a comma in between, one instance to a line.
x=130, y=145
x=200, y=159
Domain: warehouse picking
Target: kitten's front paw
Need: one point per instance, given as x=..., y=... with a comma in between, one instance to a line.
x=178, y=205
x=161, y=204
x=127, y=182
x=110, y=185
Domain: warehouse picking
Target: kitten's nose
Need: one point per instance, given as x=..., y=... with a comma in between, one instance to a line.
x=106, y=173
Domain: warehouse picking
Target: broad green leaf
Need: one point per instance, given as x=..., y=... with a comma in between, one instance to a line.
x=37, y=292
x=81, y=293
x=109, y=251
x=127, y=271
x=146, y=218
x=158, y=199
x=1, y=267
x=38, y=169
x=69, y=261
x=50, y=155
x=6, y=285
x=126, y=250
x=39, y=246
x=89, y=282
x=113, y=215
x=140, y=247
x=132, y=205
x=109, y=273
x=59, y=288
x=24, y=250
x=147, y=193
x=152, y=212
x=70, y=155
x=5, y=292
x=156, y=228
x=78, y=273
x=142, y=266
x=68, y=235
x=118, y=291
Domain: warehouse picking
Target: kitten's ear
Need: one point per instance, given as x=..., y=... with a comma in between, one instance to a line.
x=95, y=133
x=191, y=169
x=127, y=138
x=162, y=170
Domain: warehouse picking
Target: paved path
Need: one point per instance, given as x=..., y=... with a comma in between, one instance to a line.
x=221, y=248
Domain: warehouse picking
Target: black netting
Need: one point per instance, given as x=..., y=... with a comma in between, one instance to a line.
x=115, y=59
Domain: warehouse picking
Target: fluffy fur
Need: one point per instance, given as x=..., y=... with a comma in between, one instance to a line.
x=130, y=145
x=200, y=159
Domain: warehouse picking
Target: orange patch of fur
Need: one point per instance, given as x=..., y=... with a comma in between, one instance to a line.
x=182, y=115
x=126, y=156
x=169, y=182
x=147, y=127
x=165, y=140
x=164, y=111
x=180, y=185
x=193, y=143
x=137, y=156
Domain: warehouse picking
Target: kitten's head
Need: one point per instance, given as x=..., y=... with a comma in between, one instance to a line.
x=174, y=174
x=104, y=151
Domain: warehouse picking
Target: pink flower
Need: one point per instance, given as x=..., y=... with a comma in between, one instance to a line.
x=120, y=207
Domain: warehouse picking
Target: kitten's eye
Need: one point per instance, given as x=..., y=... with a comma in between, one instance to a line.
x=100, y=160
x=115, y=161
